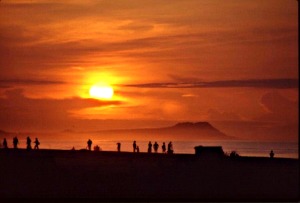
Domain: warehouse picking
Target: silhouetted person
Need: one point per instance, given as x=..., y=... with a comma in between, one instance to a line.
x=137, y=149
x=119, y=146
x=134, y=146
x=155, y=147
x=96, y=148
x=37, y=143
x=5, y=144
x=28, y=142
x=150, y=147
x=89, y=144
x=170, y=148
x=163, y=147
x=272, y=154
x=15, y=142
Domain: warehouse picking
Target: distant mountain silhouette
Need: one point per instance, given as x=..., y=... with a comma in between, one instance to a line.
x=180, y=131
x=191, y=125
x=184, y=131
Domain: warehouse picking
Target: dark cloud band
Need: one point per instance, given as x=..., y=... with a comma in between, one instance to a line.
x=11, y=82
x=283, y=83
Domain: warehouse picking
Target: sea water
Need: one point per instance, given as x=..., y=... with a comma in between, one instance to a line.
x=243, y=148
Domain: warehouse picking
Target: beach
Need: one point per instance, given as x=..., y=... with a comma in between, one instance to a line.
x=113, y=176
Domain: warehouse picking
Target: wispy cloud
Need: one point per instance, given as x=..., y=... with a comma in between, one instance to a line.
x=7, y=83
x=30, y=82
x=283, y=83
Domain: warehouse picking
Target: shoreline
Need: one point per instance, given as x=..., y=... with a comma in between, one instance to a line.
x=249, y=148
x=123, y=153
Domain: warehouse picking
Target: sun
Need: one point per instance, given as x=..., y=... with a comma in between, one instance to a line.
x=101, y=91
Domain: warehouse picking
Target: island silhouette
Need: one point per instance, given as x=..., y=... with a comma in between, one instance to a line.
x=182, y=131
x=179, y=131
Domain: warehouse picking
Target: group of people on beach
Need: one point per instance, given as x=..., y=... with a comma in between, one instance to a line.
x=136, y=148
x=16, y=142
x=156, y=146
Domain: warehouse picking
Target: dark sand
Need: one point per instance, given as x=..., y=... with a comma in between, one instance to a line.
x=108, y=176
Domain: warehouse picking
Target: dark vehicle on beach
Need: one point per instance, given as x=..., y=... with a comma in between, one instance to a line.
x=209, y=151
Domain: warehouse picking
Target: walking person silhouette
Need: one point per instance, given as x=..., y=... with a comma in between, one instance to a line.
x=163, y=147
x=28, y=142
x=37, y=143
x=150, y=147
x=89, y=144
x=272, y=154
x=170, y=148
x=15, y=142
x=134, y=146
x=155, y=146
x=5, y=144
x=119, y=147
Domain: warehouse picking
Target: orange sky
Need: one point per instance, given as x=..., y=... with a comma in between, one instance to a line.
x=232, y=63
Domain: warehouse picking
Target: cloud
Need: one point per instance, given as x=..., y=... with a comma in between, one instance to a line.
x=5, y=83
x=189, y=95
x=259, y=130
x=20, y=111
x=278, y=108
x=51, y=46
x=215, y=115
x=283, y=83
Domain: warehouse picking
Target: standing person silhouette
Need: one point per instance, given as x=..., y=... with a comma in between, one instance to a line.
x=137, y=149
x=272, y=154
x=163, y=147
x=119, y=146
x=28, y=142
x=89, y=144
x=37, y=143
x=5, y=144
x=150, y=147
x=15, y=142
x=155, y=146
x=134, y=146
x=170, y=148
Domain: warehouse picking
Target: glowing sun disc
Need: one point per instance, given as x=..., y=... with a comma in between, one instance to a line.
x=101, y=92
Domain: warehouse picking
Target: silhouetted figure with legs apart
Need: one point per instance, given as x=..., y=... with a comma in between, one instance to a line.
x=15, y=142
x=272, y=154
x=134, y=146
x=119, y=146
x=150, y=147
x=89, y=144
x=37, y=143
x=170, y=148
x=163, y=147
x=5, y=144
x=155, y=147
x=28, y=142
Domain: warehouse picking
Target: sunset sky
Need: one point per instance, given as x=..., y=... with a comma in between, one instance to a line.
x=232, y=63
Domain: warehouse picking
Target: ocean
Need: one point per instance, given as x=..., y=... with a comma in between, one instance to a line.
x=243, y=148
